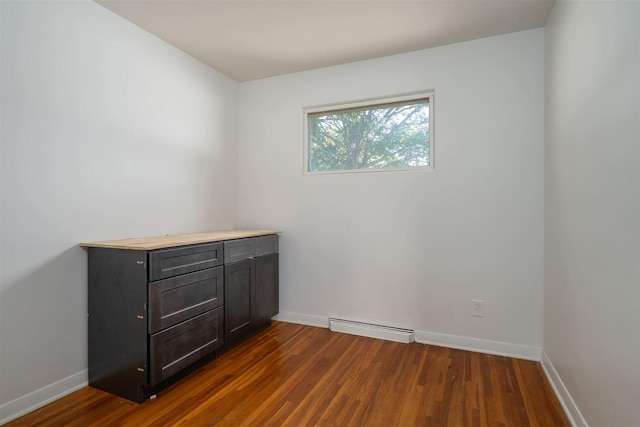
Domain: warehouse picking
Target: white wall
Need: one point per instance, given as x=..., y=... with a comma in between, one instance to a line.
x=107, y=132
x=411, y=248
x=592, y=207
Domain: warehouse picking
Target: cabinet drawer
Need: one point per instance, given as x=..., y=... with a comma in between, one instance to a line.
x=267, y=245
x=173, y=262
x=179, y=346
x=237, y=250
x=174, y=300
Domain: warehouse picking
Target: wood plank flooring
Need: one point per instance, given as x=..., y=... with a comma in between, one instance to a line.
x=294, y=375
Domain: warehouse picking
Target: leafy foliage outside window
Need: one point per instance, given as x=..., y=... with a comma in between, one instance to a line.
x=393, y=135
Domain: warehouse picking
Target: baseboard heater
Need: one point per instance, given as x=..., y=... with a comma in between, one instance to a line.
x=388, y=333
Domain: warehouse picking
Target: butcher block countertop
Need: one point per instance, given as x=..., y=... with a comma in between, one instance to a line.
x=170, y=241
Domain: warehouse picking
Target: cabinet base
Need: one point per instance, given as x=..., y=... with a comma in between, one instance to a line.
x=139, y=393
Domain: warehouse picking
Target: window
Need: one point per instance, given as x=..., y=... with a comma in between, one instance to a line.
x=384, y=134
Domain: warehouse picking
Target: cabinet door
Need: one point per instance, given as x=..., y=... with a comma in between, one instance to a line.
x=239, y=284
x=267, y=292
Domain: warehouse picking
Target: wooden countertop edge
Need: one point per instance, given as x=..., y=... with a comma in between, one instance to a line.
x=170, y=241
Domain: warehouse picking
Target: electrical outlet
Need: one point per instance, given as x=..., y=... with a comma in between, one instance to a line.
x=477, y=307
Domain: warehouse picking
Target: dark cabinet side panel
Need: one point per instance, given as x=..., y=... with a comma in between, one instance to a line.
x=267, y=300
x=173, y=262
x=174, y=300
x=177, y=347
x=117, y=328
x=239, y=282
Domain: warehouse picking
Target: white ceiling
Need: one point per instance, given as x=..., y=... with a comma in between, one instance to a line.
x=248, y=40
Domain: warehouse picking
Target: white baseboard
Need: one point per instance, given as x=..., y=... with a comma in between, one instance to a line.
x=480, y=345
x=37, y=399
x=567, y=402
x=443, y=340
x=303, y=319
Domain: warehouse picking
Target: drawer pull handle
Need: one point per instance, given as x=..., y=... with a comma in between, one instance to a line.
x=140, y=317
x=140, y=369
x=140, y=262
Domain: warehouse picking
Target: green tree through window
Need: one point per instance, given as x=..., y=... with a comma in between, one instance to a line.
x=372, y=137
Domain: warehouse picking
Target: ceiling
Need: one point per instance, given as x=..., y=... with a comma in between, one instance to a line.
x=248, y=40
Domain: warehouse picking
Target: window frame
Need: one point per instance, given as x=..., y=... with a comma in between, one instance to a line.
x=370, y=102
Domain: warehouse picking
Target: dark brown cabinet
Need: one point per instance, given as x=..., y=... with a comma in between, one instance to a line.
x=156, y=313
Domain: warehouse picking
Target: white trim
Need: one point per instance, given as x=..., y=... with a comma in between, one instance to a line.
x=411, y=96
x=369, y=170
x=31, y=401
x=479, y=345
x=303, y=319
x=389, y=333
x=499, y=348
x=567, y=402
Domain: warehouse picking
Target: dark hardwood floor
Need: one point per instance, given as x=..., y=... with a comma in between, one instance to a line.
x=294, y=375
